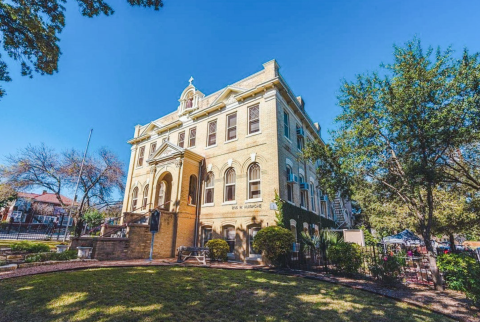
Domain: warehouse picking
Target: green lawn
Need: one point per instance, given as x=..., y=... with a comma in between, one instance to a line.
x=192, y=294
x=9, y=242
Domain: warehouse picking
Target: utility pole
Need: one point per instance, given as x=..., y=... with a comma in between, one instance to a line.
x=76, y=186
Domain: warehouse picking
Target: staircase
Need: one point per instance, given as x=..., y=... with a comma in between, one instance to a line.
x=340, y=214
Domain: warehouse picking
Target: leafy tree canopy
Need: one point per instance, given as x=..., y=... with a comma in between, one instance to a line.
x=30, y=31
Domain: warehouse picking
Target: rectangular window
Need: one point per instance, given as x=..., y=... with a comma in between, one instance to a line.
x=251, y=237
x=299, y=139
x=324, y=208
x=206, y=235
x=231, y=126
x=192, y=136
x=286, y=125
x=253, y=119
x=141, y=155
x=153, y=147
x=181, y=139
x=212, y=133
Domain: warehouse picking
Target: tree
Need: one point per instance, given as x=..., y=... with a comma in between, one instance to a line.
x=7, y=194
x=101, y=177
x=42, y=167
x=30, y=31
x=36, y=167
x=399, y=129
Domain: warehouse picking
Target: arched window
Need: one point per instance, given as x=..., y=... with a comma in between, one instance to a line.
x=192, y=191
x=254, y=181
x=209, y=186
x=289, y=184
x=134, y=198
x=145, y=197
x=230, y=179
x=161, y=194
x=312, y=196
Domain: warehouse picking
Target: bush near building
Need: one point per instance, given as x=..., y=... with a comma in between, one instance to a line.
x=218, y=249
x=43, y=257
x=274, y=242
x=346, y=256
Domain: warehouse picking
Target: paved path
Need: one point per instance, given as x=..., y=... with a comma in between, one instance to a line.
x=450, y=303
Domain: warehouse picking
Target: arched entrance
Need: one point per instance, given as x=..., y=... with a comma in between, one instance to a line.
x=163, y=191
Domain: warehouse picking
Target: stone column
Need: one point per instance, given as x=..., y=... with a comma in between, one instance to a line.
x=151, y=197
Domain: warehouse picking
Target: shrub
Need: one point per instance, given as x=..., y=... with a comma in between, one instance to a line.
x=30, y=247
x=274, y=242
x=43, y=257
x=218, y=249
x=346, y=256
x=388, y=268
x=462, y=273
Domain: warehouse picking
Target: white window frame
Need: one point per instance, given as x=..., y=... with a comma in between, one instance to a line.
x=182, y=141
x=290, y=184
x=312, y=197
x=153, y=147
x=229, y=185
x=231, y=127
x=212, y=187
x=250, y=120
x=190, y=137
x=145, y=197
x=134, y=198
x=210, y=133
x=141, y=156
x=250, y=181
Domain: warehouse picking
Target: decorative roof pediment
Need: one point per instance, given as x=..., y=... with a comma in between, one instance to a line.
x=150, y=128
x=165, y=151
x=228, y=95
x=190, y=99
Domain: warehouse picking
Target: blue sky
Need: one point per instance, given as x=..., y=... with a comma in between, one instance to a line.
x=130, y=68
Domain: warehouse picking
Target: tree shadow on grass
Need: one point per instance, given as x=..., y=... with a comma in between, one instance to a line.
x=192, y=294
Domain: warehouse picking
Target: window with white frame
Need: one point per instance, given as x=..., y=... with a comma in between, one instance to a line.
x=289, y=185
x=254, y=191
x=231, y=126
x=312, y=196
x=286, y=125
x=134, y=198
x=230, y=180
x=153, y=147
x=145, y=197
x=141, y=155
x=192, y=137
x=300, y=142
x=229, y=234
x=181, y=139
x=209, y=188
x=324, y=208
x=212, y=133
x=254, y=119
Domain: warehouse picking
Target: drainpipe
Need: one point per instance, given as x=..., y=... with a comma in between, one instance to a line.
x=197, y=210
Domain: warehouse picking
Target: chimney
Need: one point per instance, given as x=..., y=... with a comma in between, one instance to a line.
x=318, y=128
x=44, y=192
x=271, y=68
x=301, y=101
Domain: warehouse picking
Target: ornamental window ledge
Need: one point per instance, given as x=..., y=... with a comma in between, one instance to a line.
x=254, y=200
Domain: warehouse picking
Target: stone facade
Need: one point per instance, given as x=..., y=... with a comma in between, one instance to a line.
x=220, y=183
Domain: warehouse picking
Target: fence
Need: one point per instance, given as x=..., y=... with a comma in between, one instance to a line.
x=32, y=231
x=411, y=269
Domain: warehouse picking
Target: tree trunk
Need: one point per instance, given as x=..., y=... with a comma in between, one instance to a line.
x=452, y=244
x=432, y=261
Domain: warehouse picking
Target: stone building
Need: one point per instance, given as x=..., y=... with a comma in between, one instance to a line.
x=213, y=165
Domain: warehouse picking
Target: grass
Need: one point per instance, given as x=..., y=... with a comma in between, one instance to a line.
x=192, y=294
x=9, y=242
